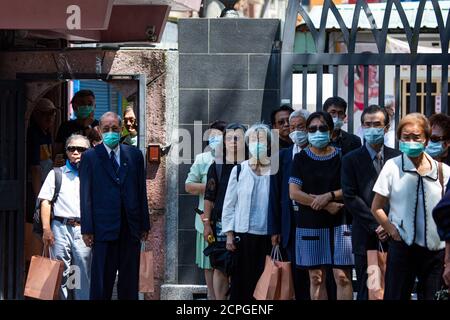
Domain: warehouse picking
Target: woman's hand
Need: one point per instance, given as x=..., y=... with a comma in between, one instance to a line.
x=207, y=231
x=334, y=207
x=320, y=201
x=275, y=239
x=230, y=242
x=393, y=232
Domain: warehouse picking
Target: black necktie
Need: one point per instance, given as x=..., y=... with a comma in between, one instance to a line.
x=114, y=162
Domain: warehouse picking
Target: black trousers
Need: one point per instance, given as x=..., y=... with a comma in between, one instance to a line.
x=404, y=264
x=108, y=257
x=361, y=277
x=250, y=258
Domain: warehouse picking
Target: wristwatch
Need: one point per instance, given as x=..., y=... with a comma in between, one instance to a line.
x=333, y=196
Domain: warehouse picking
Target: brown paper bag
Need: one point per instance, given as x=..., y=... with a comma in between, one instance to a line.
x=268, y=285
x=146, y=284
x=376, y=269
x=44, y=278
x=286, y=291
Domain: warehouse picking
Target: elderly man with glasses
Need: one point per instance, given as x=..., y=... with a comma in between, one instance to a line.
x=61, y=221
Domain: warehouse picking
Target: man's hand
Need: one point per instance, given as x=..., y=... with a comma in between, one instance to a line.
x=48, y=238
x=144, y=235
x=88, y=240
x=381, y=233
x=207, y=231
x=275, y=239
x=320, y=201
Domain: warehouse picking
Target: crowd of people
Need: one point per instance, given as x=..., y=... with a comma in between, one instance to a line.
x=325, y=197
x=97, y=234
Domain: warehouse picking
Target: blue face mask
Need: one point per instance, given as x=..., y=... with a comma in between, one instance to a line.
x=319, y=139
x=214, y=142
x=257, y=149
x=412, y=149
x=299, y=137
x=83, y=112
x=435, y=149
x=374, y=135
x=72, y=165
x=111, y=139
x=338, y=123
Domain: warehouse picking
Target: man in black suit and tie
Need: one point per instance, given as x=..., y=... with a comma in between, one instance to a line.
x=114, y=212
x=337, y=108
x=360, y=169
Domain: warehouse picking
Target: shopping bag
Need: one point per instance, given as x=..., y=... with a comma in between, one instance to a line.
x=146, y=283
x=268, y=284
x=44, y=278
x=376, y=269
x=286, y=291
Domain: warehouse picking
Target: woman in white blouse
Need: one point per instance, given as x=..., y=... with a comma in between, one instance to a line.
x=244, y=215
x=411, y=184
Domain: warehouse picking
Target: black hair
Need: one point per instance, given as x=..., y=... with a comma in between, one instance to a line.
x=374, y=109
x=284, y=107
x=321, y=115
x=234, y=126
x=218, y=125
x=83, y=93
x=337, y=101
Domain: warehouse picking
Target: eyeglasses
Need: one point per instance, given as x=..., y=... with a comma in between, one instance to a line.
x=72, y=149
x=436, y=138
x=321, y=128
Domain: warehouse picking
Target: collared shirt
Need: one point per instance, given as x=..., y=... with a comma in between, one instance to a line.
x=373, y=153
x=68, y=203
x=116, y=152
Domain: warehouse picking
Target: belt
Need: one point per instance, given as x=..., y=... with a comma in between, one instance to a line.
x=74, y=222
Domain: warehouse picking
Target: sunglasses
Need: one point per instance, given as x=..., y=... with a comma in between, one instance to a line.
x=79, y=149
x=321, y=128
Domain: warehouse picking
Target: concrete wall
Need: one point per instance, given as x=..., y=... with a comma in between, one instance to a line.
x=152, y=63
x=228, y=70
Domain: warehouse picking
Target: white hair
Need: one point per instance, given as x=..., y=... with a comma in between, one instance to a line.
x=258, y=127
x=301, y=113
x=78, y=137
x=110, y=114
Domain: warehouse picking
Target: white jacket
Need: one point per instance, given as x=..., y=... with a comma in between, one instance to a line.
x=399, y=181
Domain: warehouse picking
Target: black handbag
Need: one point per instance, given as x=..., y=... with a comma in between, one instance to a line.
x=219, y=257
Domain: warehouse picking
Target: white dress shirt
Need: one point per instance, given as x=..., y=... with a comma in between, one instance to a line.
x=116, y=152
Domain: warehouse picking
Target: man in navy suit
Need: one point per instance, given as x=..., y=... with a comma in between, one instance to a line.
x=282, y=210
x=360, y=170
x=114, y=212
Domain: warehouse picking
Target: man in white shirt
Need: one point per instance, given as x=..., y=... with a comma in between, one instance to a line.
x=62, y=232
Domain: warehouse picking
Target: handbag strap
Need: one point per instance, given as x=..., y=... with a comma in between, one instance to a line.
x=276, y=253
x=441, y=177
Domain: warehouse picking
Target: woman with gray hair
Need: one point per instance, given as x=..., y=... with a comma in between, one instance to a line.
x=245, y=211
x=62, y=231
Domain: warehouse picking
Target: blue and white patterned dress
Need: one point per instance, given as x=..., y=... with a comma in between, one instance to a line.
x=321, y=238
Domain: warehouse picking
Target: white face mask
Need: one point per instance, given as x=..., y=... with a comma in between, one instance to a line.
x=299, y=137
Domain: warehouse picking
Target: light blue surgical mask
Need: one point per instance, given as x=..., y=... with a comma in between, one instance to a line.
x=412, y=149
x=374, y=135
x=257, y=149
x=435, y=149
x=299, y=137
x=111, y=139
x=338, y=123
x=319, y=139
x=83, y=112
x=214, y=142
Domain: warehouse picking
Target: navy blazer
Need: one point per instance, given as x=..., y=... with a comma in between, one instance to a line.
x=280, y=219
x=103, y=193
x=358, y=176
